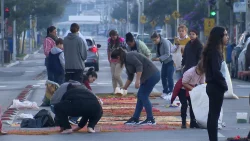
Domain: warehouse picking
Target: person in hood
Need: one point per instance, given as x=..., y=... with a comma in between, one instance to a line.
x=75, y=53
x=77, y=102
x=192, y=51
x=48, y=44
x=56, y=63
x=137, y=45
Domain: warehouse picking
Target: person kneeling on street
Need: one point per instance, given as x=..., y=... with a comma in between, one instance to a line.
x=191, y=78
x=76, y=102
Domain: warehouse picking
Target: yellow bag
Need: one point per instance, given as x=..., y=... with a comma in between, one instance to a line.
x=51, y=87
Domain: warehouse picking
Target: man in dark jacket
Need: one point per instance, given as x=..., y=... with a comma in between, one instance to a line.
x=192, y=51
x=75, y=53
x=76, y=102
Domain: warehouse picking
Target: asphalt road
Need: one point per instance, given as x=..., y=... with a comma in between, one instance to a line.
x=14, y=79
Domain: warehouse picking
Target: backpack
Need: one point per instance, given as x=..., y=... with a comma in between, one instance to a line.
x=42, y=119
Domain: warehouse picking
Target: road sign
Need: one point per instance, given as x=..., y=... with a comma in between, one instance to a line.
x=209, y=23
x=176, y=15
x=239, y=7
x=167, y=19
x=153, y=23
x=143, y=19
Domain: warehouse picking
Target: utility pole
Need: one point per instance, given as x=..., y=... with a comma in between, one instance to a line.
x=217, y=13
x=139, y=16
x=14, y=38
x=2, y=32
x=142, y=11
x=127, y=29
x=30, y=39
x=178, y=10
x=247, y=15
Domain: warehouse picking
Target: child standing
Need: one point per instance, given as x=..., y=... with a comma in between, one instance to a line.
x=178, y=50
x=56, y=62
x=191, y=78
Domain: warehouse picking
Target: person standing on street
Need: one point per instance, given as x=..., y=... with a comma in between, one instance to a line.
x=56, y=63
x=147, y=76
x=75, y=53
x=137, y=45
x=212, y=58
x=178, y=49
x=192, y=51
x=115, y=42
x=48, y=44
x=163, y=54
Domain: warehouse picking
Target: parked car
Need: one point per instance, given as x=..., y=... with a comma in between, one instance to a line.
x=236, y=53
x=146, y=39
x=92, y=53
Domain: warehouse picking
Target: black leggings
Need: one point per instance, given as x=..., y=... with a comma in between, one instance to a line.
x=215, y=95
x=89, y=110
x=185, y=102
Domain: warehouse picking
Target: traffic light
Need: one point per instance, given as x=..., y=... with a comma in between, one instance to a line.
x=212, y=8
x=6, y=13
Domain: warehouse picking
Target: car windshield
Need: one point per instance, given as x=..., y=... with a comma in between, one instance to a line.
x=89, y=42
x=146, y=38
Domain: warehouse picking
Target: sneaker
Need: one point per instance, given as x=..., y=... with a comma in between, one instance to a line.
x=148, y=122
x=132, y=121
x=163, y=95
x=91, y=130
x=73, y=122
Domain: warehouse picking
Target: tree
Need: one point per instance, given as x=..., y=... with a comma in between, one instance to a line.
x=45, y=11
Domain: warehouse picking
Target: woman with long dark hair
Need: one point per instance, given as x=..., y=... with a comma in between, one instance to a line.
x=212, y=58
x=115, y=42
x=147, y=76
x=48, y=44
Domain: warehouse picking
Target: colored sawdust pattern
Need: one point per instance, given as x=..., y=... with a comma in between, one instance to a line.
x=116, y=111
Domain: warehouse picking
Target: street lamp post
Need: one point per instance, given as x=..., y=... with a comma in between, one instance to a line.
x=2, y=32
x=178, y=10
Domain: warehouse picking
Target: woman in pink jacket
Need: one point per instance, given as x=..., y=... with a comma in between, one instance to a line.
x=48, y=44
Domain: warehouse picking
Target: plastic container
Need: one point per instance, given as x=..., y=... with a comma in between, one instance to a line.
x=241, y=117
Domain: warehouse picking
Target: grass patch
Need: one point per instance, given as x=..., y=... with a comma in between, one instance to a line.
x=21, y=55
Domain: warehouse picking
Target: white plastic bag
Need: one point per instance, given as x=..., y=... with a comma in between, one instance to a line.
x=200, y=105
x=226, y=74
x=121, y=92
x=24, y=105
x=22, y=116
x=177, y=58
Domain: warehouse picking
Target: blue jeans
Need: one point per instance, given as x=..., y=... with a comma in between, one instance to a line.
x=143, y=96
x=167, y=72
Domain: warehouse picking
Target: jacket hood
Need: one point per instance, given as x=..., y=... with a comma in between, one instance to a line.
x=72, y=36
x=55, y=50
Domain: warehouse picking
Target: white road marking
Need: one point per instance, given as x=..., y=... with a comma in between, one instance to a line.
x=220, y=135
x=36, y=85
x=244, y=86
x=40, y=83
x=29, y=71
x=3, y=86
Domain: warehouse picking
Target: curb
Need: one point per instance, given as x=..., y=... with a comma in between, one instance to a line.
x=8, y=115
x=25, y=57
x=37, y=51
x=12, y=64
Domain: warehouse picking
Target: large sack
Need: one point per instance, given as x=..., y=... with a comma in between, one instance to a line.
x=177, y=58
x=226, y=74
x=24, y=105
x=200, y=105
x=51, y=87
